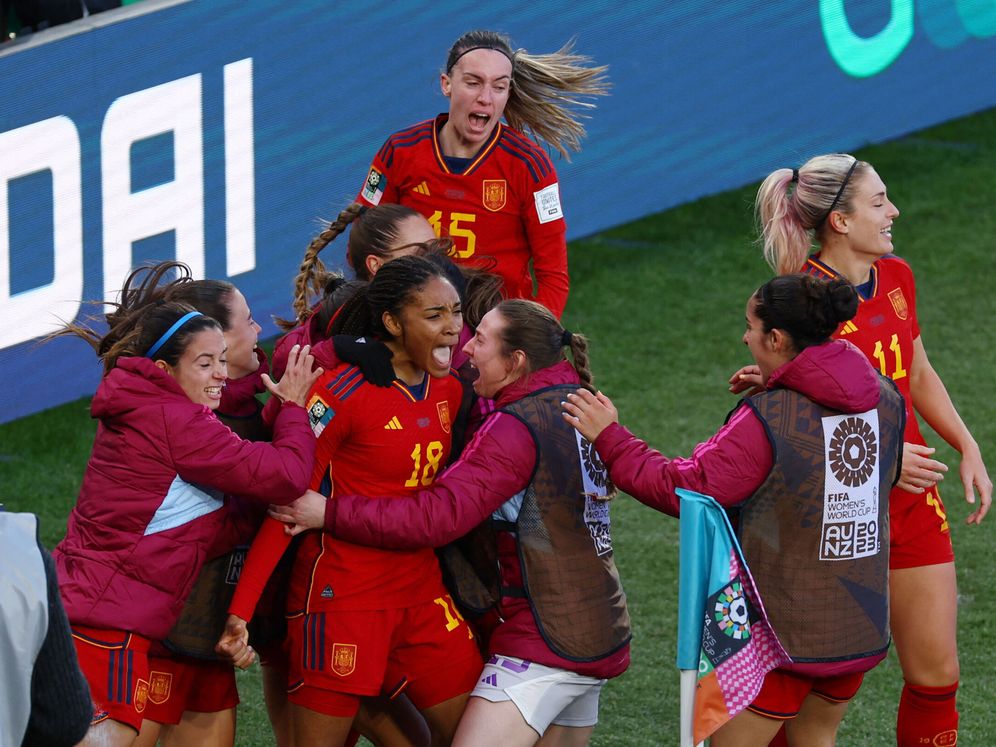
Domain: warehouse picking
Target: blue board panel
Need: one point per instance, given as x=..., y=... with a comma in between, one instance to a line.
x=113, y=145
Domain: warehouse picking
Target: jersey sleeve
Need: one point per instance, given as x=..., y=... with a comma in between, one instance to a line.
x=546, y=232
x=267, y=548
x=379, y=185
x=729, y=467
x=497, y=464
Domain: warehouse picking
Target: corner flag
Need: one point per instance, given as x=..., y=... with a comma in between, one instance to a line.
x=723, y=631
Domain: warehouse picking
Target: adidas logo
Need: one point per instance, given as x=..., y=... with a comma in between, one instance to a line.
x=848, y=328
x=327, y=592
x=422, y=189
x=491, y=679
x=393, y=424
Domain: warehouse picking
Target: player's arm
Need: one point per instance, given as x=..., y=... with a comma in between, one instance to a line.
x=379, y=184
x=932, y=401
x=546, y=232
x=730, y=466
x=495, y=466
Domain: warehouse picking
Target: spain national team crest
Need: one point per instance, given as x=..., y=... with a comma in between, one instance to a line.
x=443, y=408
x=141, y=695
x=160, y=684
x=899, y=303
x=343, y=658
x=495, y=191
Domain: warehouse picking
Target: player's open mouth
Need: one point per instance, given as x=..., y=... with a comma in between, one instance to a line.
x=213, y=391
x=480, y=119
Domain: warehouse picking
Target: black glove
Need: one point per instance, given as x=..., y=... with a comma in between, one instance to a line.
x=372, y=356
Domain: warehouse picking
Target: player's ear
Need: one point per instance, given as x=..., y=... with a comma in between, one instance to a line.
x=373, y=263
x=445, y=85
x=392, y=324
x=837, y=221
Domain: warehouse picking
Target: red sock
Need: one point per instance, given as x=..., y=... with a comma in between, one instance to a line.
x=780, y=740
x=927, y=716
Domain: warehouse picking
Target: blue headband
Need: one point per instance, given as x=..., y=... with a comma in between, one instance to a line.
x=171, y=331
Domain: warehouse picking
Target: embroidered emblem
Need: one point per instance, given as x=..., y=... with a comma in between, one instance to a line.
x=373, y=189
x=847, y=328
x=393, y=424
x=159, y=686
x=343, y=658
x=327, y=592
x=422, y=189
x=443, y=408
x=141, y=695
x=319, y=414
x=899, y=303
x=494, y=194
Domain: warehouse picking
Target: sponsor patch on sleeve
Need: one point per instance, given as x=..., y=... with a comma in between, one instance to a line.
x=373, y=189
x=548, y=203
x=319, y=414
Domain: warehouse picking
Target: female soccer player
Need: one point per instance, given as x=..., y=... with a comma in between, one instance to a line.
x=379, y=235
x=484, y=184
x=825, y=431
x=153, y=507
x=564, y=623
x=841, y=202
x=365, y=621
x=195, y=697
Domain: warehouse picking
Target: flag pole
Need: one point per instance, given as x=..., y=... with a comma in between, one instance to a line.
x=692, y=593
x=687, y=701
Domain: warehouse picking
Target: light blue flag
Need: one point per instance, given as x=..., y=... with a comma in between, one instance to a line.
x=723, y=631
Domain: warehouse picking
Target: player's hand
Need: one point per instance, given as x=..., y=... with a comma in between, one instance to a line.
x=307, y=512
x=298, y=377
x=589, y=413
x=975, y=479
x=919, y=470
x=234, y=643
x=372, y=356
x=747, y=381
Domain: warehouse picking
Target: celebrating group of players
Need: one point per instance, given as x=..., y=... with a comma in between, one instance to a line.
x=421, y=406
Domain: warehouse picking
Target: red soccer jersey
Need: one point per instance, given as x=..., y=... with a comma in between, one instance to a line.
x=372, y=441
x=505, y=204
x=884, y=326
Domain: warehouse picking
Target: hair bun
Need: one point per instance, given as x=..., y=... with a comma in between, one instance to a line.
x=842, y=299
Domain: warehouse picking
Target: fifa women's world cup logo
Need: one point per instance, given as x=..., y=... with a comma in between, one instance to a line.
x=853, y=449
x=851, y=491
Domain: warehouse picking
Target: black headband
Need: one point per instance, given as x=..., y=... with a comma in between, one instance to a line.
x=455, y=56
x=839, y=192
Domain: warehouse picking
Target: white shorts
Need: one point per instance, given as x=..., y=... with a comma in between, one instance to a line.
x=543, y=695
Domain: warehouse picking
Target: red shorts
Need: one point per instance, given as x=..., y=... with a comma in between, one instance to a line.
x=116, y=666
x=428, y=651
x=782, y=693
x=182, y=683
x=918, y=529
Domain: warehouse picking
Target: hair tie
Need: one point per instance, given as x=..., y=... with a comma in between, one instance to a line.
x=565, y=339
x=171, y=331
x=840, y=191
x=795, y=175
x=493, y=47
